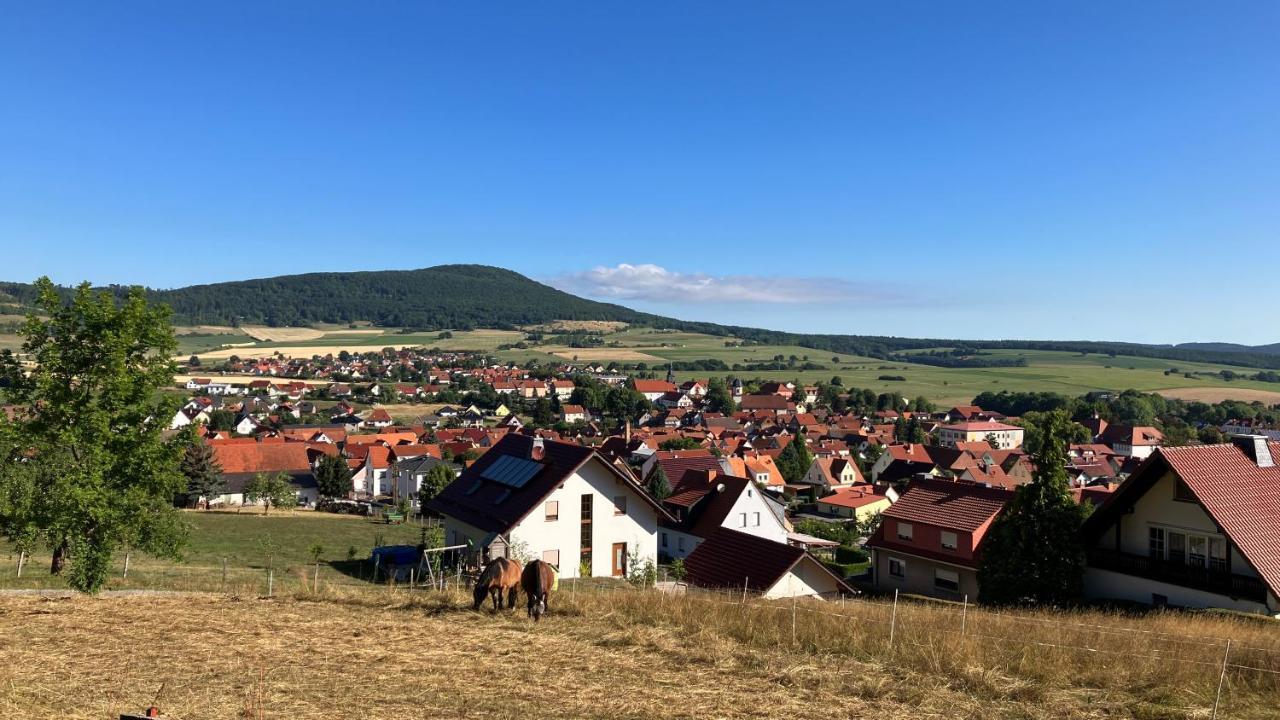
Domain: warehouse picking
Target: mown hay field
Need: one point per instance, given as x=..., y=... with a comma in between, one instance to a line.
x=613, y=652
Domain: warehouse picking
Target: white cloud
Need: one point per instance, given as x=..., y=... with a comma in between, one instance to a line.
x=655, y=283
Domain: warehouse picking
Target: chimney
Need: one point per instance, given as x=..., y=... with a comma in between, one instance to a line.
x=1255, y=446
x=628, y=433
x=538, y=449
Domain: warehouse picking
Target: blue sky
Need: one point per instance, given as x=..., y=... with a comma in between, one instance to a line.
x=1069, y=170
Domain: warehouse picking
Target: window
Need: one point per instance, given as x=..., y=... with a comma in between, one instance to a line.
x=620, y=505
x=664, y=539
x=1177, y=548
x=749, y=492
x=755, y=520
x=551, y=557
x=553, y=510
x=897, y=568
x=905, y=531
x=1155, y=543
x=946, y=580
x=1181, y=492
x=680, y=544
x=1199, y=550
x=742, y=519
x=948, y=540
x=1217, y=554
x=584, y=537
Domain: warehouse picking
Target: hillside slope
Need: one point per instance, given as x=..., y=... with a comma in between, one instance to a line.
x=472, y=296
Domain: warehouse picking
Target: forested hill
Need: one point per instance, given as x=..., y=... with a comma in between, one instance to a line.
x=474, y=296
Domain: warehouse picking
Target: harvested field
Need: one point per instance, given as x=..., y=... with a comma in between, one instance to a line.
x=241, y=379
x=603, y=354
x=604, y=326
x=282, y=334
x=305, y=351
x=610, y=654
x=1218, y=394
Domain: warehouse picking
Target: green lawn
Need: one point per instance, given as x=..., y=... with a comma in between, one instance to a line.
x=245, y=540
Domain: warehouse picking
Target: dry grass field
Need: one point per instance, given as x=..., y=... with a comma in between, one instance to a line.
x=395, y=652
x=604, y=326
x=602, y=354
x=282, y=334
x=1218, y=394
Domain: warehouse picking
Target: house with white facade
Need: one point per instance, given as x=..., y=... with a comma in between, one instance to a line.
x=559, y=502
x=1195, y=526
x=1006, y=437
x=707, y=500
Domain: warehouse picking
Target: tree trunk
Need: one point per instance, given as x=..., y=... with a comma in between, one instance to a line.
x=59, y=559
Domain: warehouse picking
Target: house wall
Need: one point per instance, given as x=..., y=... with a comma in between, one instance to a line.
x=760, y=520
x=638, y=528
x=806, y=579
x=1108, y=585
x=679, y=544
x=1157, y=507
x=859, y=513
x=919, y=575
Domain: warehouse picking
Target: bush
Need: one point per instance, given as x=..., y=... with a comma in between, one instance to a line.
x=849, y=554
x=893, y=378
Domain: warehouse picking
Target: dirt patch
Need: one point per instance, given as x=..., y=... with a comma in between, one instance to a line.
x=1218, y=394
x=281, y=334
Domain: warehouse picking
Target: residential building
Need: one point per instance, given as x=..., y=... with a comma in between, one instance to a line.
x=1006, y=437
x=860, y=502
x=741, y=562
x=708, y=500
x=1195, y=526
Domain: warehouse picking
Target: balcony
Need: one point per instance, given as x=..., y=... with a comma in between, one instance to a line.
x=1198, y=578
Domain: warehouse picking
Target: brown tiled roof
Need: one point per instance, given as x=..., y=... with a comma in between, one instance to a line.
x=948, y=504
x=261, y=457
x=731, y=559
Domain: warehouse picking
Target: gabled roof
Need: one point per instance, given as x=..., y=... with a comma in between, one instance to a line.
x=1242, y=498
x=731, y=559
x=495, y=507
x=678, y=463
x=949, y=504
x=255, y=457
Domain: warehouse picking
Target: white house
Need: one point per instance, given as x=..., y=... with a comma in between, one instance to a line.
x=706, y=501
x=407, y=475
x=561, y=502
x=1195, y=526
x=1007, y=437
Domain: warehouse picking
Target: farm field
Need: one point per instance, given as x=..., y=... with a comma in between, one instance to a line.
x=606, y=650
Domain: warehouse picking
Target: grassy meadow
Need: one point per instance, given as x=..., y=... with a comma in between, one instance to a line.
x=607, y=650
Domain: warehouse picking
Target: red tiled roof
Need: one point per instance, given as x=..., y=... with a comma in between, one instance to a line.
x=1241, y=497
x=980, y=426
x=654, y=386
x=949, y=504
x=854, y=497
x=261, y=457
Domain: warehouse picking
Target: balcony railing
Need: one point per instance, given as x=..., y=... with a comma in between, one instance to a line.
x=1199, y=578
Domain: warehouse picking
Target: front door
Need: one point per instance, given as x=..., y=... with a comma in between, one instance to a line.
x=619, y=559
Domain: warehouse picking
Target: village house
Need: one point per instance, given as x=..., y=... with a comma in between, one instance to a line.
x=407, y=475
x=930, y=540
x=860, y=502
x=1195, y=526
x=707, y=500
x=243, y=459
x=1006, y=437
x=561, y=502
x=741, y=562
x=832, y=472
x=654, y=389
x=574, y=414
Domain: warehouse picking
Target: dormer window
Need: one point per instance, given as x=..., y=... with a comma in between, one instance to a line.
x=905, y=531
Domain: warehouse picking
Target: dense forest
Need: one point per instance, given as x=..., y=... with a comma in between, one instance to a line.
x=472, y=296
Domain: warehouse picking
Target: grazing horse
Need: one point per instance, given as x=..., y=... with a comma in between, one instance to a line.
x=500, y=576
x=536, y=581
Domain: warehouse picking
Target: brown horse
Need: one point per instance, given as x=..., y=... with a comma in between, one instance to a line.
x=499, y=576
x=536, y=581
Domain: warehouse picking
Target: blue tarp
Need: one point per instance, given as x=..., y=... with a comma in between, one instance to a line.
x=396, y=554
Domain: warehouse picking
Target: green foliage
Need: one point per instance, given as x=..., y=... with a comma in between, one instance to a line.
x=333, y=477
x=273, y=490
x=1033, y=552
x=204, y=475
x=683, y=443
x=794, y=460
x=659, y=485
x=1033, y=426
x=436, y=480
x=641, y=572
x=849, y=554
x=103, y=473
x=719, y=398
x=677, y=570
x=315, y=551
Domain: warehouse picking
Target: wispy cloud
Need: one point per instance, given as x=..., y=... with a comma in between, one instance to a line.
x=655, y=283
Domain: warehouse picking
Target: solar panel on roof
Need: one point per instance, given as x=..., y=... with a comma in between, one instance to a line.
x=511, y=471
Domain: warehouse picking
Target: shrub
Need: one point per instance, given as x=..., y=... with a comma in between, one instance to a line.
x=848, y=554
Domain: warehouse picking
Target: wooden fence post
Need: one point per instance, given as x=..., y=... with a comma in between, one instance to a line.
x=271, y=579
x=964, y=614
x=893, y=620
x=224, y=575
x=744, y=589
x=315, y=580
x=126, y=566
x=793, y=618
x=1221, y=678
x=22, y=555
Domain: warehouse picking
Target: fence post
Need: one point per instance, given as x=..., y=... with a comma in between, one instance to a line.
x=793, y=618
x=893, y=620
x=1221, y=679
x=271, y=579
x=744, y=590
x=964, y=614
x=224, y=575
x=22, y=555
x=126, y=566
x=315, y=580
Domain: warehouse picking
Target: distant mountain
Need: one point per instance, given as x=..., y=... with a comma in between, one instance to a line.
x=473, y=296
x=1272, y=349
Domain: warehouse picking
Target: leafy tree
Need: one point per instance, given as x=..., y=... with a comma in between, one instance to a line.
x=659, y=485
x=794, y=460
x=106, y=474
x=1033, y=552
x=542, y=415
x=915, y=432
x=922, y=405
x=994, y=441
x=1032, y=423
x=719, y=399
x=204, y=475
x=683, y=443
x=222, y=420
x=333, y=477
x=272, y=490
x=436, y=479
x=193, y=361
